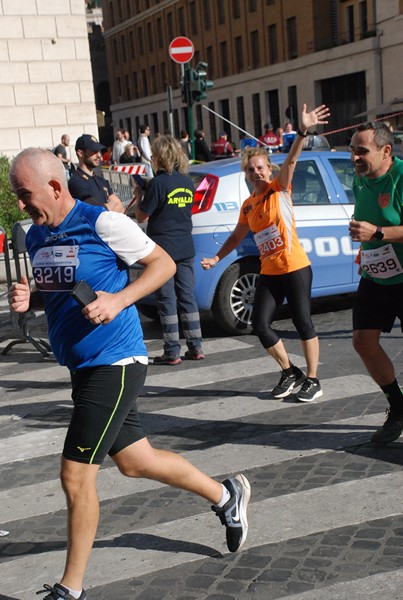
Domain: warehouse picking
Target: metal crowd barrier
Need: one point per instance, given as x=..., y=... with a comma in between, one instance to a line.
x=120, y=178
x=16, y=258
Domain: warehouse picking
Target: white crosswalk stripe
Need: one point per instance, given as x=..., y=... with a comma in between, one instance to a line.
x=276, y=528
x=45, y=497
x=170, y=543
x=36, y=444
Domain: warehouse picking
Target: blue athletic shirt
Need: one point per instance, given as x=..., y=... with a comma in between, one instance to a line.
x=97, y=245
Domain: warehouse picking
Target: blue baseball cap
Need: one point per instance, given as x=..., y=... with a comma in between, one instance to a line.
x=89, y=142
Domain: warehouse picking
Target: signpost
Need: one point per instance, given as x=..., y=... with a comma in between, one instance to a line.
x=170, y=108
x=181, y=50
x=194, y=84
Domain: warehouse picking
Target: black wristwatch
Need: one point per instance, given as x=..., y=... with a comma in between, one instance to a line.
x=379, y=235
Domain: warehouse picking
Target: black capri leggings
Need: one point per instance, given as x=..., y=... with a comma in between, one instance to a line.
x=271, y=290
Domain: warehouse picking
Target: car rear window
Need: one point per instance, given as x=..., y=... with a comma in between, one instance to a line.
x=307, y=184
x=343, y=167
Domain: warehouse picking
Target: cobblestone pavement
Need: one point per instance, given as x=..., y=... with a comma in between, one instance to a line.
x=325, y=513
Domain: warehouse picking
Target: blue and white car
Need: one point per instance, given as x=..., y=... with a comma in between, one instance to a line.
x=323, y=203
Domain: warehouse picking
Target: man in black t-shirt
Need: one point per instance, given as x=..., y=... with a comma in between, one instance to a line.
x=61, y=153
x=87, y=186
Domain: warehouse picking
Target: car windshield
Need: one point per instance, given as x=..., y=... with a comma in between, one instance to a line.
x=307, y=184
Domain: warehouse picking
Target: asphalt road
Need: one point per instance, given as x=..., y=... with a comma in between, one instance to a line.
x=325, y=513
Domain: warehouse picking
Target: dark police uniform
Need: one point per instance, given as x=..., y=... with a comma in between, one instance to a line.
x=84, y=186
x=168, y=202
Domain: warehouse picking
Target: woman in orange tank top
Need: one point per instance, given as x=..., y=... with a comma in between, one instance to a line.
x=285, y=268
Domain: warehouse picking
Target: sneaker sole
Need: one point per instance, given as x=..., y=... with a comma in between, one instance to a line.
x=170, y=364
x=198, y=357
x=317, y=395
x=243, y=507
x=290, y=389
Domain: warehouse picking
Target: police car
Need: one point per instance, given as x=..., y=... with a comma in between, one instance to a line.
x=398, y=143
x=323, y=203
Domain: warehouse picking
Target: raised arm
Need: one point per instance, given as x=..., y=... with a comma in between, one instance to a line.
x=317, y=116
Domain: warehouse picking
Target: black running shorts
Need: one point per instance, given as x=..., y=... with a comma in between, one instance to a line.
x=377, y=306
x=105, y=418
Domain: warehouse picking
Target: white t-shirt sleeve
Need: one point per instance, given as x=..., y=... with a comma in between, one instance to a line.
x=123, y=236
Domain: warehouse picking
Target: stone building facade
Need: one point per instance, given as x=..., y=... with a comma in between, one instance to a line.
x=46, y=86
x=265, y=57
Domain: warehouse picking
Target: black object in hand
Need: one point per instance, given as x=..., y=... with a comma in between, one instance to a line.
x=83, y=293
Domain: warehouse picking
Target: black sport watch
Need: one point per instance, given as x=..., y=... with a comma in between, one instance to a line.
x=379, y=235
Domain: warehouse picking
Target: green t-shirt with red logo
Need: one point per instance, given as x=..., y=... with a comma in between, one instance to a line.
x=380, y=202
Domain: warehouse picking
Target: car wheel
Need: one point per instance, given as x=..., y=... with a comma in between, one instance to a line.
x=233, y=300
x=149, y=311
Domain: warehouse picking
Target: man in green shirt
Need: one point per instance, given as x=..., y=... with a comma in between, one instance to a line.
x=377, y=224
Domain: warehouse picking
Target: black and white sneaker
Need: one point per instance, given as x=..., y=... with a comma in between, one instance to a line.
x=59, y=592
x=288, y=382
x=310, y=390
x=233, y=513
x=390, y=431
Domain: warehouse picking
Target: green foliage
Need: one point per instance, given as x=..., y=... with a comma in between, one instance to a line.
x=9, y=213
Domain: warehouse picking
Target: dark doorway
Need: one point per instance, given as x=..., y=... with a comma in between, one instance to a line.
x=345, y=96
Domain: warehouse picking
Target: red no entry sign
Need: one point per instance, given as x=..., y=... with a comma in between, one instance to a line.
x=181, y=50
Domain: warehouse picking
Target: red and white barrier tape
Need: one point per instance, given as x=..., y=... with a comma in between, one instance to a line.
x=384, y=118
x=130, y=169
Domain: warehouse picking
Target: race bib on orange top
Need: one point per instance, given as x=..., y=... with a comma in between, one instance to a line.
x=269, y=241
x=270, y=216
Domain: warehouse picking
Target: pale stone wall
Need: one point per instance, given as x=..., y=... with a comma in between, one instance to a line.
x=46, y=86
